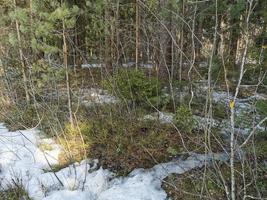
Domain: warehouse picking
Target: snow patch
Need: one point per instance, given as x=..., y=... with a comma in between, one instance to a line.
x=22, y=158
x=97, y=96
x=93, y=65
x=163, y=117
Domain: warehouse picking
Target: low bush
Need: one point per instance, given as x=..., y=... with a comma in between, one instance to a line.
x=184, y=119
x=74, y=142
x=133, y=86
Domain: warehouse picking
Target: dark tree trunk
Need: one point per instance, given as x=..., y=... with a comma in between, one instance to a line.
x=80, y=34
x=233, y=41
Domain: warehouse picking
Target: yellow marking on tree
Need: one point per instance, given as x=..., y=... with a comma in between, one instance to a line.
x=232, y=104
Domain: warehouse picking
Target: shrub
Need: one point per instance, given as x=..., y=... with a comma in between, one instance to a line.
x=184, y=119
x=133, y=85
x=74, y=142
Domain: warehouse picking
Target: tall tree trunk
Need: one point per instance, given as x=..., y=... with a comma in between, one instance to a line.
x=22, y=61
x=218, y=39
x=137, y=21
x=181, y=51
x=234, y=41
x=169, y=44
x=107, y=50
x=80, y=34
x=199, y=32
x=65, y=62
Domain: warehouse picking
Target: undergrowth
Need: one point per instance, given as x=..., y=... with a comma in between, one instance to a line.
x=122, y=141
x=15, y=192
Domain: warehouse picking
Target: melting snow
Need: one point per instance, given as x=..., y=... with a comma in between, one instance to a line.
x=97, y=96
x=163, y=117
x=22, y=158
x=93, y=65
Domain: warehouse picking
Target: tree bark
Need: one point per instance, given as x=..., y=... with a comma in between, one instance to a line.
x=137, y=21
x=234, y=41
x=80, y=34
x=22, y=61
x=65, y=62
x=107, y=50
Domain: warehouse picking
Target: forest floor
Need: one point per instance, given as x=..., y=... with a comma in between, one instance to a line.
x=133, y=155
x=28, y=157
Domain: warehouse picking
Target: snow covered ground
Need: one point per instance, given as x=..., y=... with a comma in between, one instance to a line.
x=244, y=107
x=28, y=157
x=93, y=96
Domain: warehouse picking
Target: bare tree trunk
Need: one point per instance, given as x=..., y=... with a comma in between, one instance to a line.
x=232, y=153
x=22, y=61
x=107, y=51
x=137, y=20
x=234, y=42
x=169, y=53
x=199, y=32
x=80, y=35
x=218, y=40
x=233, y=102
x=65, y=62
x=181, y=52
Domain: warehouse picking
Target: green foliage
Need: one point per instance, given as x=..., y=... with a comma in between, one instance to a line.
x=172, y=151
x=261, y=107
x=219, y=111
x=133, y=85
x=19, y=14
x=237, y=8
x=44, y=75
x=44, y=29
x=184, y=119
x=12, y=38
x=64, y=13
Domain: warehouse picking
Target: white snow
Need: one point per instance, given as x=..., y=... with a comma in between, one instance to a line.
x=96, y=96
x=142, y=65
x=163, y=117
x=93, y=65
x=126, y=65
x=21, y=157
